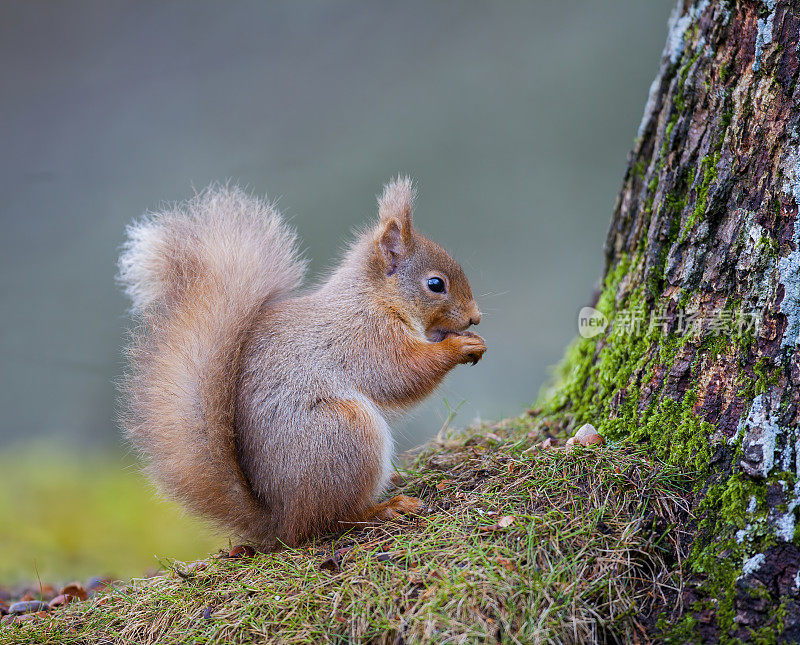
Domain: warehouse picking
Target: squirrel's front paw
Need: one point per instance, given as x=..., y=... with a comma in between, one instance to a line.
x=470, y=347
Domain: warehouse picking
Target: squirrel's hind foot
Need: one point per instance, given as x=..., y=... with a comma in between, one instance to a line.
x=394, y=508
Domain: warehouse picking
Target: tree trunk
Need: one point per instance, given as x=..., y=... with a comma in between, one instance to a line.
x=700, y=357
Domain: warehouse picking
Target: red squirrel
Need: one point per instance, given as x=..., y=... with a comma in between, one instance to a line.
x=261, y=406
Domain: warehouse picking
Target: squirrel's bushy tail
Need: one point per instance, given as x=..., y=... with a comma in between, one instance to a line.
x=198, y=274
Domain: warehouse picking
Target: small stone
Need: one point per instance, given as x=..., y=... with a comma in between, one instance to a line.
x=584, y=431
x=592, y=440
x=27, y=606
x=571, y=443
x=97, y=583
x=197, y=566
x=62, y=600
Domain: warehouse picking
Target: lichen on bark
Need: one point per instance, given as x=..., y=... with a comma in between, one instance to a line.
x=707, y=221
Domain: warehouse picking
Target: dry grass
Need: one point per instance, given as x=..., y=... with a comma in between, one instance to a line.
x=590, y=555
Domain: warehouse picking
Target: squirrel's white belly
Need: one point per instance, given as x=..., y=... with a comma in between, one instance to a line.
x=384, y=433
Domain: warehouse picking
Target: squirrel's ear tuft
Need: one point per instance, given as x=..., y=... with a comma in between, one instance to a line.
x=397, y=202
x=395, y=206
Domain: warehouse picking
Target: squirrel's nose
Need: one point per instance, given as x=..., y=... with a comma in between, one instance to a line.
x=475, y=318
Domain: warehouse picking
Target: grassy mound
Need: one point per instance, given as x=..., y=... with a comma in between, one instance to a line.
x=517, y=544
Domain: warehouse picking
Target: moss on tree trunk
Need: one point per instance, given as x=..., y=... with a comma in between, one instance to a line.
x=702, y=292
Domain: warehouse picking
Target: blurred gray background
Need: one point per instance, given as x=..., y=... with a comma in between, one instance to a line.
x=514, y=118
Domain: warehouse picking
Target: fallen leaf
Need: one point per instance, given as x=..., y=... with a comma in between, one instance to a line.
x=242, y=551
x=75, y=589
x=505, y=563
x=592, y=440
x=502, y=523
x=31, y=617
x=442, y=485
x=334, y=563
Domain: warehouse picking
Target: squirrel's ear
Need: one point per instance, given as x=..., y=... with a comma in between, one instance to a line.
x=391, y=245
x=395, y=206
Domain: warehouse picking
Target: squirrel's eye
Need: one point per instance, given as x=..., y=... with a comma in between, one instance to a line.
x=436, y=285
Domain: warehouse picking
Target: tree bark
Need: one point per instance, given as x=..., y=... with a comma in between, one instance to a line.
x=700, y=358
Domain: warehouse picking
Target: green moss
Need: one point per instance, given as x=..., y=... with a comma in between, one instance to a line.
x=616, y=367
x=725, y=121
x=668, y=136
x=652, y=187
x=675, y=201
x=768, y=246
x=637, y=170
x=679, y=101
x=764, y=376
x=708, y=169
x=724, y=73
x=708, y=166
x=736, y=504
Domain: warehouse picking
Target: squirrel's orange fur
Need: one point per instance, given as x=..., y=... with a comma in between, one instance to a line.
x=263, y=408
